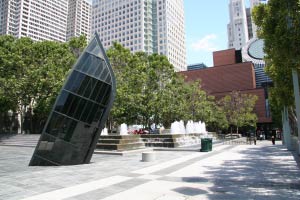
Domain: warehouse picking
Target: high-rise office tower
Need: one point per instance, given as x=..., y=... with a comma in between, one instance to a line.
x=237, y=28
x=241, y=27
x=79, y=18
x=44, y=20
x=37, y=19
x=9, y=17
x=152, y=26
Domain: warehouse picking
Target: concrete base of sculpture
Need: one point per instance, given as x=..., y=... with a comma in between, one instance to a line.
x=148, y=156
x=120, y=142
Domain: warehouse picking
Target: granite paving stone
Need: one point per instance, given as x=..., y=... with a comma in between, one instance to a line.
x=230, y=171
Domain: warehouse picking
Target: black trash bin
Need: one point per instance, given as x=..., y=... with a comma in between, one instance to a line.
x=209, y=144
x=206, y=144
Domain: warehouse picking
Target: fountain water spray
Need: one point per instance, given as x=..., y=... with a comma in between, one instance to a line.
x=104, y=131
x=123, y=129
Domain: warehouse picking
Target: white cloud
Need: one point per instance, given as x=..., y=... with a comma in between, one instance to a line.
x=205, y=44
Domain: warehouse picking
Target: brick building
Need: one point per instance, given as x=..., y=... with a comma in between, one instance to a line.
x=230, y=73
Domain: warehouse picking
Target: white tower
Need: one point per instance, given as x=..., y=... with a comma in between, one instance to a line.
x=79, y=19
x=44, y=20
x=152, y=26
x=171, y=32
x=237, y=28
x=37, y=19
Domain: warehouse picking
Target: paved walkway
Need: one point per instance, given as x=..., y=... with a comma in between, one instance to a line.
x=231, y=172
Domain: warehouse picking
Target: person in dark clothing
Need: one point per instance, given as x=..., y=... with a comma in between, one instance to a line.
x=273, y=136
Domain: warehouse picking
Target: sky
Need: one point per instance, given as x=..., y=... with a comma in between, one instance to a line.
x=206, y=29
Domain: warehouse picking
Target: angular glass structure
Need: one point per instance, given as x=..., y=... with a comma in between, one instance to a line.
x=80, y=111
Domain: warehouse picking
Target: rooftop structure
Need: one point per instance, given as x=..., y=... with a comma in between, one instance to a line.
x=196, y=66
x=253, y=52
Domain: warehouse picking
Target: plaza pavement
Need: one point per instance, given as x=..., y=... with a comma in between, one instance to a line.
x=261, y=171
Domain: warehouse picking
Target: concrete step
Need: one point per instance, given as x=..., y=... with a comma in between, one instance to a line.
x=119, y=141
x=26, y=140
x=162, y=144
x=121, y=147
x=128, y=137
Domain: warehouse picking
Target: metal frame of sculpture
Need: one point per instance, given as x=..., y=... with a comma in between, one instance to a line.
x=72, y=130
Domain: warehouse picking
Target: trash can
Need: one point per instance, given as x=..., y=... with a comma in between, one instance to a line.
x=206, y=144
x=209, y=144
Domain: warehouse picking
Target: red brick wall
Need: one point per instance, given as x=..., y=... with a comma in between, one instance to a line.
x=224, y=57
x=238, y=76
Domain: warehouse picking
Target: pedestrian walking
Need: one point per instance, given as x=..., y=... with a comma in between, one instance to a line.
x=273, y=137
x=273, y=140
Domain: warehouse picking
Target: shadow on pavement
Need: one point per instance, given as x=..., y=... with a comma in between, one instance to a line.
x=263, y=172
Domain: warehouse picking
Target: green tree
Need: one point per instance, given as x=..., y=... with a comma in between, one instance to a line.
x=279, y=25
x=33, y=73
x=203, y=107
x=172, y=103
x=239, y=108
x=144, y=84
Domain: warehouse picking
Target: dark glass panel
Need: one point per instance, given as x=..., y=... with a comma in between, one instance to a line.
x=92, y=113
x=98, y=114
x=99, y=69
x=71, y=80
x=68, y=103
x=106, y=96
x=80, y=108
x=54, y=124
x=80, y=63
x=90, y=87
x=86, y=112
x=61, y=101
x=70, y=131
x=83, y=85
x=77, y=82
x=93, y=44
x=74, y=105
x=62, y=126
x=94, y=48
x=95, y=63
x=88, y=62
x=102, y=93
x=104, y=74
x=108, y=79
x=97, y=89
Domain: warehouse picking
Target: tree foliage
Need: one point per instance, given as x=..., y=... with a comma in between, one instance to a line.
x=279, y=25
x=239, y=109
x=32, y=73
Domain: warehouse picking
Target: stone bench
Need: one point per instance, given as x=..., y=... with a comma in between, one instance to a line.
x=148, y=156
